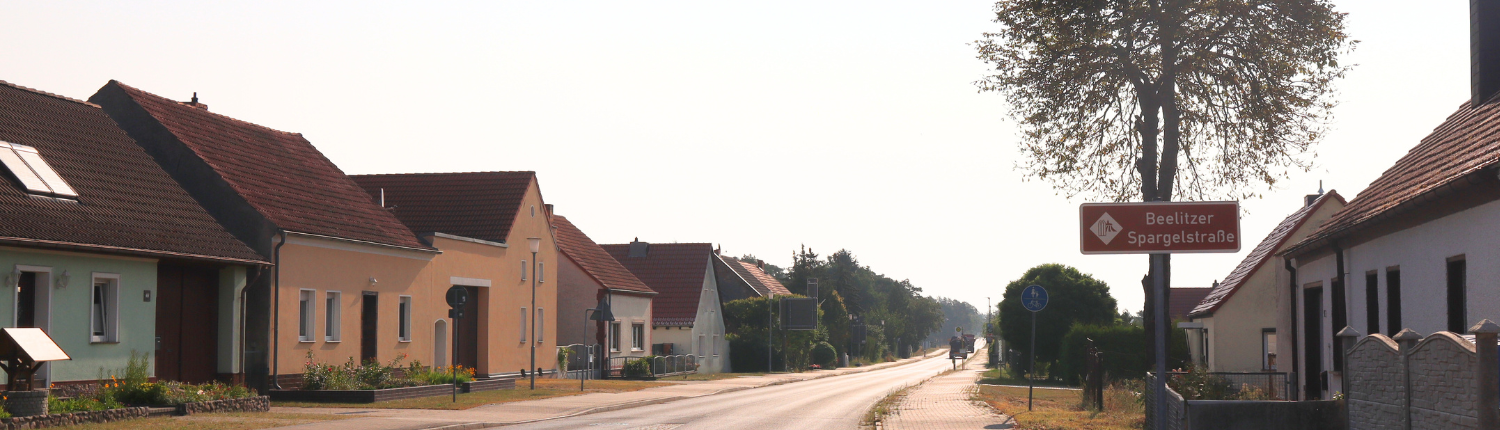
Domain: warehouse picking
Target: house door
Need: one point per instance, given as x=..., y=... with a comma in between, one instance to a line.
x=26, y=300
x=1312, y=328
x=468, y=332
x=369, y=319
x=31, y=310
x=187, y=314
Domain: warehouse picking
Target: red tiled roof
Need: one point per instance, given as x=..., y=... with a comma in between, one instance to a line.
x=1259, y=256
x=1184, y=299
x=1468, y=141
x=479, y=205
x=278, y=173
x=675, y=271
x=126, y=203
x=593, y=259
x=763, y=283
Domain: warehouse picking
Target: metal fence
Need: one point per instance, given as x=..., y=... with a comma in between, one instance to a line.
x=1176, y=407
x=580, y=364
x=1238, y=385
x=673, y=365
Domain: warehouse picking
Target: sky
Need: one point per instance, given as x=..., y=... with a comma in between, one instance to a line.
x=759, y=126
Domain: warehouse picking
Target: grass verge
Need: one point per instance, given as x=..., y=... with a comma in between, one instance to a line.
x=709, y=376
x=1062, y=409
x=545, y=388
x=998, y=376
x=885, y=406
x=216, y=421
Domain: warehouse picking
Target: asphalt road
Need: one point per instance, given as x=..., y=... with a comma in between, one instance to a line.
x=829, y=403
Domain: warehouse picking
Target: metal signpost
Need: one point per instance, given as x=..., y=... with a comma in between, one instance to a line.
x=1034, y=299
x=1159, y=229
x=457, y=297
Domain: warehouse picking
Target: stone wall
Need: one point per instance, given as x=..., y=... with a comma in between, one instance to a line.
x=1415, y=382
x=1377, y=385
x=1444, y=390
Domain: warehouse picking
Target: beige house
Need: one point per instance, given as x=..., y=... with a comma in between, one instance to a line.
x=1234, y=328
x=588, y=275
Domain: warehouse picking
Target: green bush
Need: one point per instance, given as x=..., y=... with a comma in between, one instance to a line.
x=639, y=368
x=1122, y=351
x=825, y=356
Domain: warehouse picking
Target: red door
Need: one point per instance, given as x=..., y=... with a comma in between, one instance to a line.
x=187, y=322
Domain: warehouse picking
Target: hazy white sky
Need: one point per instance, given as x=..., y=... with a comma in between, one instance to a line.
x=758, y=125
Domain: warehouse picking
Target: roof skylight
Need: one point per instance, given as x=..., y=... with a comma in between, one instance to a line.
x=27, y=164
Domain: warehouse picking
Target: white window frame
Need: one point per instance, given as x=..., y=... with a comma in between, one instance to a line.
x=307, y=315
x=524, y=268
x=1267, y=343
x=524, y=315
x=614, y=336
x=702, y=339
x=541, y=272
x=541, y=324
x=715, y=345
x=111, y=308
x=637, y=336
x=403, y=318
x=333, y=303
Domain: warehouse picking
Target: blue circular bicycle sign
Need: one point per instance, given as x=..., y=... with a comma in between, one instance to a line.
x=1034, y=298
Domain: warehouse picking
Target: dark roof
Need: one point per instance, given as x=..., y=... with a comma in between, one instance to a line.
x=126, y=204
x=1467, y=142
x=675, y=271
x=594, y=260
x=1184, y=299
x=278, y=173
x=1260, y=255
x=762, y=282
x=480, y=205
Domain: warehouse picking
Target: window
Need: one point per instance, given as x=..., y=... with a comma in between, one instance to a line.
x=1372, y=302
x=715, y=345
x=331, y=315
x=1392, y=300
x=523, y=323
x=104, y=308
x=1458, y=312
x=523, y=270
x=614, y=336
x=541, y=272
x=403, y=333
x=36, y=175
x=541, y=324
x=700, y=345
x=305, y=314
x=1268, y=348
x=637, y=337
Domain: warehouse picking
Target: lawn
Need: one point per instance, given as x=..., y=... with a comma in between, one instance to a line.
x=215, y=421
x=545, y=388
x=998, y=376
x=709, y=376
x=1055, y=409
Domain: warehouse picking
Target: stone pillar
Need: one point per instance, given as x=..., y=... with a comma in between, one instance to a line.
x=1485, y=332
x=1406, y=339
x=1347, y=337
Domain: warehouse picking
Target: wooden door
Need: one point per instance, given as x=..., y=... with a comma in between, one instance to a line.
x=1312, y=312
x=468, y=333
x=369, y=326
x=187, y=323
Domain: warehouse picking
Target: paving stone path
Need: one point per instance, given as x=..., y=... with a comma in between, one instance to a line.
x=943, y=403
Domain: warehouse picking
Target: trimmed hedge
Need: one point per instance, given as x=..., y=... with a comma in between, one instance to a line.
x=1122, y=350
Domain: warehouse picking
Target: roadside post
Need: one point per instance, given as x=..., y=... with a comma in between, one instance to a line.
x=1034, y=299
x=1159, y=229
x=457, y=297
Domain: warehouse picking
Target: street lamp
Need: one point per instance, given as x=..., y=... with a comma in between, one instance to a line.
x=536, y=246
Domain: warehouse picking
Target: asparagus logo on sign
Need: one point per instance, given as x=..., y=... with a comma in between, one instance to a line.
x=1106, y=228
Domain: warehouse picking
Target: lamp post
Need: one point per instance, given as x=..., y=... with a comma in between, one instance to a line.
x=536, y=246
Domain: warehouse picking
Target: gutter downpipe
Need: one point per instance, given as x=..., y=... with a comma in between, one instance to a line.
x=1338, y=343
x=1295, y=356
x=276, y=313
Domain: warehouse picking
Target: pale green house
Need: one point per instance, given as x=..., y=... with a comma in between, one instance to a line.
x=105, y=252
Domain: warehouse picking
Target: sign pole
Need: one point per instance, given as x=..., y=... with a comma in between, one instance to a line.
x=1034, y=298
x=1031, y=371
x=1159, y=287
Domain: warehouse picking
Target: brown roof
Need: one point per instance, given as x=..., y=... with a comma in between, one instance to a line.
x=480, y=205
x=595, y=260
x=675, y=271
x=278, y=173
x=1184, y=299
x=126, y=204
x=1464, y=144
x=763, y=283
x=1260, y=255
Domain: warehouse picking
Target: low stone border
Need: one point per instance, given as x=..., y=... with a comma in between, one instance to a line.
x=488, y=385
x=372, y=396
x=249, y=404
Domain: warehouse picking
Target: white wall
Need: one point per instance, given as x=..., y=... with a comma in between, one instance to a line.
x=630, y=310
x=709, y=325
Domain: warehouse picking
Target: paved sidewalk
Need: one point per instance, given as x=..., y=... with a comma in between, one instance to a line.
x=942, y=403
x=557, y=407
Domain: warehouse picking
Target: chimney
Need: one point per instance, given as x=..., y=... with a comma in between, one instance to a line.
x=760, y=264
x=1484, y=50
x=639, y=249
x=1308, y=200
x=195, y=103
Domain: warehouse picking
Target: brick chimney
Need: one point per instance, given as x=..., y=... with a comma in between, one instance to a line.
x=195, y=103
x=1484, y=50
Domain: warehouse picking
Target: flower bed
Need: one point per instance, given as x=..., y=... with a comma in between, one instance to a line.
x=248, y=404
x=376, y=382
x=136, y=390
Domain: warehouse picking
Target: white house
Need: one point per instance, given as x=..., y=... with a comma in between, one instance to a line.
x=588, y=275
x=686, y=311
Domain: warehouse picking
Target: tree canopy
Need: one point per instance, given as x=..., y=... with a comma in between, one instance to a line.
x=1074, y=298
x=897, y=316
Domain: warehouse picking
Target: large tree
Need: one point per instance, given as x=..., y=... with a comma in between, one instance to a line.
x=1158, y=99
x=1073, y=298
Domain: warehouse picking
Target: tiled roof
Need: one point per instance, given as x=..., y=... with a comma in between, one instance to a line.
x=126, y=203
x=1184, y=299
x=1467, y=142
x=593, y=259
x=278, y=173
x=675, y=271
x=481, y=205
x=1260, y=255
x=763, y=283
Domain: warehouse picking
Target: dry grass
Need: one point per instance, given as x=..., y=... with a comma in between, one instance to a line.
x=885, y=406
x=216, y=421
x=545, y=388
x=1055, y=409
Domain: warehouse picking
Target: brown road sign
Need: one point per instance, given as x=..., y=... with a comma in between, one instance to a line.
x=1159, y=227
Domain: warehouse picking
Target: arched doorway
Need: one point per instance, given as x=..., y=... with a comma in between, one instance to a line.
x=440, y=343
